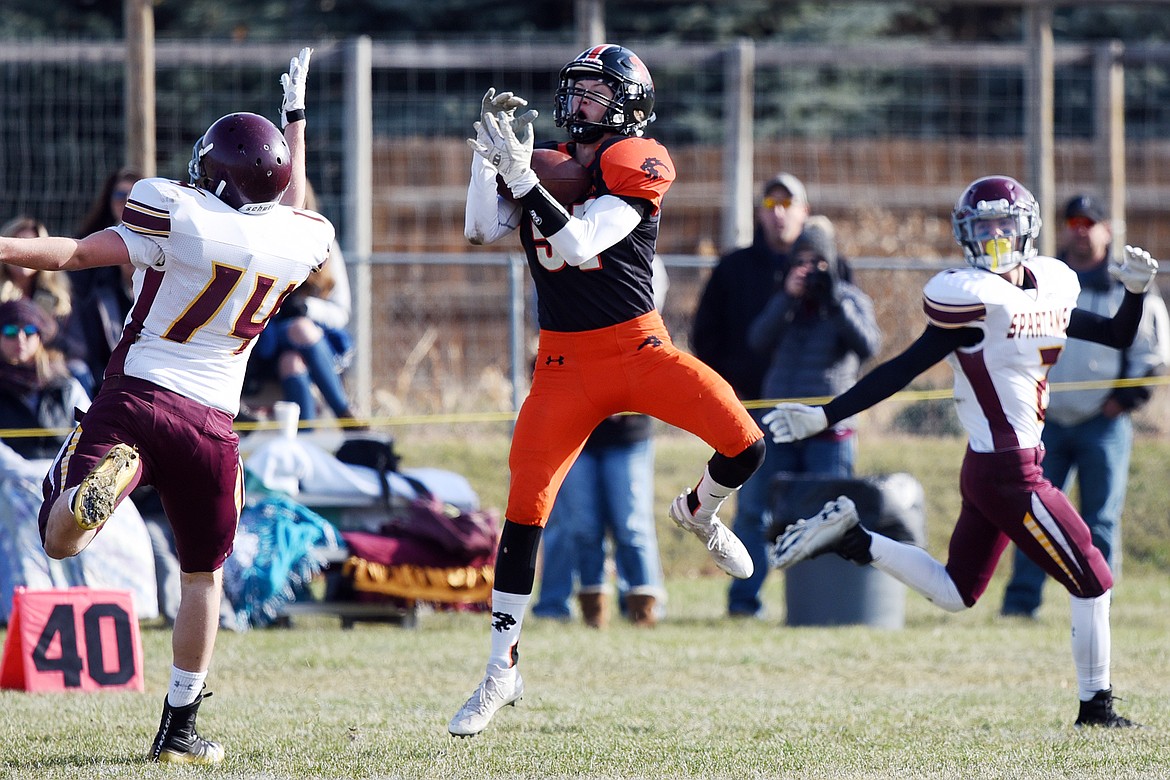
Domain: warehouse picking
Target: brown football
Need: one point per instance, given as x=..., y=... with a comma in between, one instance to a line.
x=564, y=178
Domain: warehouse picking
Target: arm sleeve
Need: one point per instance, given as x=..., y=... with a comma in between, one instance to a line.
x=932, y=346
x=488, y=217
x=604, y=222
x=1117, y=331
x=1148, y=355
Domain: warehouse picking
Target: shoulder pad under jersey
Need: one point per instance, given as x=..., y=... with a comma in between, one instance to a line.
x=637, y=168
x=148, y=209
x=957, y=298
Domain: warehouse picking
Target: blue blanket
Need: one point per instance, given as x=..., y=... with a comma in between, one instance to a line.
x=274, y=557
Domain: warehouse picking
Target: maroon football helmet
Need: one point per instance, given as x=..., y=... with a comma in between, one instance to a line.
x=632, y=105
x=996, y=199
x=244, y=161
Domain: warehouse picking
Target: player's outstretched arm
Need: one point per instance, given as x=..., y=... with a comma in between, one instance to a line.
x=104, y=247
x=883, y=381
x=1136, y=270
x=292, y=119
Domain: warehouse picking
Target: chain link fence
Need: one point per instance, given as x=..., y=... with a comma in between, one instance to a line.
x=884, y=138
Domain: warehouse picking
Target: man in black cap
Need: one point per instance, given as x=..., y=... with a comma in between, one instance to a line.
x=737, y=291
x=1090, y=430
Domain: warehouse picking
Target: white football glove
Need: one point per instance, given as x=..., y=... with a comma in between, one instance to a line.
x=792, y=422
x=504, y=101
x=1135, y=270
x=293, y=83
x=506, y=143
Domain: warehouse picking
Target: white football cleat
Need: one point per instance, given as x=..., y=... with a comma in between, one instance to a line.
x=725, y=547
x=495, y=691
x=818, y=534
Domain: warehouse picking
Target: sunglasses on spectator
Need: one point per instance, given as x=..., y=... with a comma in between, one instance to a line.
x=12, y=331
x=813, y=261
x=1077, y=223
x=120, y=194
x=772, y=202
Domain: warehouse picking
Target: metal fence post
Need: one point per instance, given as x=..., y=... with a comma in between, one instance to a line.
x=358, y=183
x=1040, y=122
x=1109, y=134
x=738, y=106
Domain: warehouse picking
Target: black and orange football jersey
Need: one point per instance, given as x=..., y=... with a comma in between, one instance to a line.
x=615, y=286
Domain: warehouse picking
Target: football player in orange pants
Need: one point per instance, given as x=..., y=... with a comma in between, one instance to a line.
x=603, y=346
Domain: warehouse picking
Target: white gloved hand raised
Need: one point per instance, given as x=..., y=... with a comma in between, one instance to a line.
x=506, y=143
x=293, y=83
x=1135, y=269
x=790, y=422
x=495, y=103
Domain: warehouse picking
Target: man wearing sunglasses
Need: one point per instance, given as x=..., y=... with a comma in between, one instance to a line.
x=1089, y=430
x=739, y=287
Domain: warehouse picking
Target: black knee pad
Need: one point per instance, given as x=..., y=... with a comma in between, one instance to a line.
x=733, y=472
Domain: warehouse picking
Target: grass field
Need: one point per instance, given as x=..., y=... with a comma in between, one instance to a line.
x=700, y=696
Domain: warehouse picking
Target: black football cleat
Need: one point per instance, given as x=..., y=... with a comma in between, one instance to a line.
x=177, y=742
x=1098, y=711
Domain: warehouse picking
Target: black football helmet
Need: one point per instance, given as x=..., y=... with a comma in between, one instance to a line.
x=244, y=161
x=996, y=198
x=632, y=106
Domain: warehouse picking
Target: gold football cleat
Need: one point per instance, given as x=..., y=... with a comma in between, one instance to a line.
x=97, y=495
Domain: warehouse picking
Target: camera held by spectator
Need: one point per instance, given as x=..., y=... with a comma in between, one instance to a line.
x=812, y=277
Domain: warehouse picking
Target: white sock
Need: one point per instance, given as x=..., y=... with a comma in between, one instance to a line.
x=507, y=617
x=71, y=496
x=1091, y=642
x=711, y=496
x=915, y=567
x=185, y=686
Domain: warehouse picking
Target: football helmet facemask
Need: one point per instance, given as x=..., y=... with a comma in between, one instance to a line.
x=244, y=161
x=630, y=109
x=996, y=198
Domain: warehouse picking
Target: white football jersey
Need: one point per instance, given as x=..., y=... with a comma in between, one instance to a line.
x=207, y=279
x=1001, y=384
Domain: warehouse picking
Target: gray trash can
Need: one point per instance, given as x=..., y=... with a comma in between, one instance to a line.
x=829, y=590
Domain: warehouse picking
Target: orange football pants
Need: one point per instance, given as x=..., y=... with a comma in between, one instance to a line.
x=581, y=378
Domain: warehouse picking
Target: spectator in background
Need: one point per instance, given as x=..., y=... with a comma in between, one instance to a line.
x=1089, y=430
x=36, y=388
x=102, y=296
x=104, y=212
x=741, y=284
x=98, y=317
x=306, y=343
x=737, y=291
x=52, y=291
x=609, y=491
x=815, y=332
